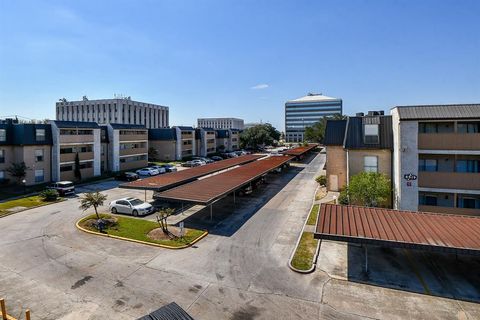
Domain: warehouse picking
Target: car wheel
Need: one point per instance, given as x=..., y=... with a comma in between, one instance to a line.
x=135, y=213
x=114, y=210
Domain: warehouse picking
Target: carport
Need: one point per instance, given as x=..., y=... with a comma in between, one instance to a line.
x=208, y=190
x=174, y=179
x=399, y=229
x=300, y=152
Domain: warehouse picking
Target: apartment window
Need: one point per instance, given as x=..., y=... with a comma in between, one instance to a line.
x=66, y=150
x=187, y=142
x=39, y=177
x=435, y=127
x=428, y=200
x=3, y=135
x=86, y=165
x=468, y=127
x=2, y=175
x=371, y=133
x=430, y=165
x=468, y=201
x=40, y=134
x=2, y=156
x=370, y=164
x=467, y=166
x=39, y=155
x=66, y=168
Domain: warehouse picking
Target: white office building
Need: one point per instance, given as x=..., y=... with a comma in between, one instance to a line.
x=118, y=110
x=305, y=111
x=220, y=123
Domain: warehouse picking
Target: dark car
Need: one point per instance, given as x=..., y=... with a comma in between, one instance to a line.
x=169, y=167
x=127, y=176
x=216, y=158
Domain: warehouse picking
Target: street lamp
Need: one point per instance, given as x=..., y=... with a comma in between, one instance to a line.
x=24, y=186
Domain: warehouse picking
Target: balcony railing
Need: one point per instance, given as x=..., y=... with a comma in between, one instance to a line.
x=449, y=180
x=449, y=141
x=452, y=210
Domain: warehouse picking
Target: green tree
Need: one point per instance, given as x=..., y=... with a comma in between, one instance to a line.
x=77, y=172
x=18, y=171
x=259, y=135
x=152, y=154
x=162, y=216
x=92, y=199
x=316, y=132
x=49, y=195
x=370, y=189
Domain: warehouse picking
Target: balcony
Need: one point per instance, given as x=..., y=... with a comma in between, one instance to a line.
x=133, y=137
x=70, y=157
x=126, y=152
x=449, y=141
x=449, y=180
x=76, y=138
x=451, y=210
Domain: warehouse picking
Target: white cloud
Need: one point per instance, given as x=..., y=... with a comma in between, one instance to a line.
x=260, y=86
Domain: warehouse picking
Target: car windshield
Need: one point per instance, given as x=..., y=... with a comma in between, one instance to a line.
x=65, y=185
x=136, y=202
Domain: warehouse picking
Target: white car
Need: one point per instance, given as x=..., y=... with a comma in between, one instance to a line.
x=159, y=168
x=198, y=162
x=147, y=172
x=133, y=206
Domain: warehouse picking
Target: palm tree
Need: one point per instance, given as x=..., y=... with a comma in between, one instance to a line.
x=92, y=199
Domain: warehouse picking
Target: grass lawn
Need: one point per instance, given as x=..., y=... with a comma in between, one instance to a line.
x=312, y=217
x=159, y=163
x=26, y=202
x=138, y=229
x=303, y=257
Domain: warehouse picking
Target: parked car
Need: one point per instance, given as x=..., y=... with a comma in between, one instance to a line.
x=147, y=172
x=198, y=162
x=133, y=206
x=204, y=159
x=216, y=158
x=245, y=191
x=188, y=164
x=169, y=167
x=127, y=176
x=159, y=168
x=63, y=188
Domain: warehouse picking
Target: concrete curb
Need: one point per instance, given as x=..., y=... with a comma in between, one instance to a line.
x=317, y=250
x=77, y=224
x=29, y=208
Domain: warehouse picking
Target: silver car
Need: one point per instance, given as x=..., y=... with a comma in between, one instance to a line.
x=133, y=206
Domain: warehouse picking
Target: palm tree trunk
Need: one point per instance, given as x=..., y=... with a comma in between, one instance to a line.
x=96, y=212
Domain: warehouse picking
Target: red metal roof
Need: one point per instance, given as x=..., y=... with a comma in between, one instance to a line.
x=168, y=180
x=207, y=190
x=430, y=231
x=300, y=150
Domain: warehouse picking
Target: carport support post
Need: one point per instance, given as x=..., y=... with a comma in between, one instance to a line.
x=145, y=195
x=211, y=212
x=4, y=310
x=366, y=258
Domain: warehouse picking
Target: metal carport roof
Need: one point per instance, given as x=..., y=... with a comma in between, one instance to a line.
x=300, y=150
x=171, y=311
x=402, y=229
x=173, y=179
x=210, y=189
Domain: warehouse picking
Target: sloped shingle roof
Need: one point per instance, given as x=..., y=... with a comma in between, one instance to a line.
x=452, y=111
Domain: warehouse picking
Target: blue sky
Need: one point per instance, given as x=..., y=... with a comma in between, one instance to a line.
x=238, y=58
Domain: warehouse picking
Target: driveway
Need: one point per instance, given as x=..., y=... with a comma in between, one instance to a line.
x=239, y=271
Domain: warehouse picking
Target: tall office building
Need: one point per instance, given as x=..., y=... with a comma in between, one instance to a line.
x=121, y=110
x=305, y=111
x=220, y=123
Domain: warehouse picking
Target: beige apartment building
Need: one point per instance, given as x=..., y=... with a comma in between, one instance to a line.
x=437, y=158
x=174, y=143
x=120, y=110
x=227, y=140
x=127, y=147
x=205, y=141
x=357, y=144
x=28, y=143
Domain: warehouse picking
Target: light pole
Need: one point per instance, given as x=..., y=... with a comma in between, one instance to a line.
x=24, y=186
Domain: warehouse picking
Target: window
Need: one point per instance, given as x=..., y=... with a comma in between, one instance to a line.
x=468, y=127
x=371, y=134
x=86, y=165
x=3, y=135
x=39, y=176
x=2, y=156
x=435, y=127
x=468, y=201
x=370, y=164
x=133, y=158
x=40, y=134
x=430, y=165
x=2, y=175
x=39, y=155
x=428, y=200
x=66, y=168
x=467, y=166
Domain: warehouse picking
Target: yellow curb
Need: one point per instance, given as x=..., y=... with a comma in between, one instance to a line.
x=140, y=241
x=8, y=317
x=39, y=206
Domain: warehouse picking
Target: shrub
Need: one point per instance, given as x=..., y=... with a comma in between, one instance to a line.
x=49, y=195
x=343, y=197
x=322, y=180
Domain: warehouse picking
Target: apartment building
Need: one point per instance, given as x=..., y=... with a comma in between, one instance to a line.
x=227, y=140
x=305, y=111
x=221, y=123
x=205, y=141
x=174, y=143
x=357, y=144
x=117, y=110
x=437, y=158
x=128, y=146
x=28, y=143
x=72, y=138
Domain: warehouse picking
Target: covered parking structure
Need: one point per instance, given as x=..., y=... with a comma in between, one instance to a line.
x=399, y=229
x=300, y=152
x=173, y=179
x=208, y=190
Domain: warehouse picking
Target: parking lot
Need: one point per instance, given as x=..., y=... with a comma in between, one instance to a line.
x=239, y=271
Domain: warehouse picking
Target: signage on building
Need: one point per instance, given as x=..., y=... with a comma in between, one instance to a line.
x=409, y=177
